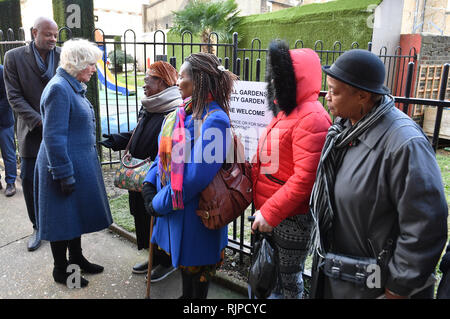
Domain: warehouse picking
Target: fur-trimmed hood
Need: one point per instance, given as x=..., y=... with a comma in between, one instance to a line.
x=293, y=77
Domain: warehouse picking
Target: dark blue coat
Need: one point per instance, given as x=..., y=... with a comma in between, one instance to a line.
x=181, y=233
x=68, y=148
x=6, y=114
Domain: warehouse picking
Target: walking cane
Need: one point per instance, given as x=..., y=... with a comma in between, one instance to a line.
x=150, y=259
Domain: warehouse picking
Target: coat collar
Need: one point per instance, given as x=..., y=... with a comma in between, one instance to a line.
x=371, y=137
x=77, y=86
x=31, y=60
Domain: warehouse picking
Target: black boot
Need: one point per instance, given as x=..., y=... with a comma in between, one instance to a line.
x=187, y=285
x=60, y=274
x=76, y=257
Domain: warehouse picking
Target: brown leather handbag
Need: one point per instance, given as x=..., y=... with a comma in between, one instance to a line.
x=229, y=194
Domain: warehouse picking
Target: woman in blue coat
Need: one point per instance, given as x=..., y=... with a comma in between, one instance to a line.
x=70, y=193
x=186, y=164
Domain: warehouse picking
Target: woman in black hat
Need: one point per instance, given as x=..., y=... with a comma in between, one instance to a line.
x=378, y=200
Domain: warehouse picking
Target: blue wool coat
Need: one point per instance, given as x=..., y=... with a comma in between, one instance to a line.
x=68, y=149
x=181, y=233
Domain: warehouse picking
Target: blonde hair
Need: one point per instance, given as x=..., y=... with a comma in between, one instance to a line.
x=77, y=54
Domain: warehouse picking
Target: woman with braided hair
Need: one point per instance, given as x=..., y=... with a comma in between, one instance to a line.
x=161, y=96
x=186, y=164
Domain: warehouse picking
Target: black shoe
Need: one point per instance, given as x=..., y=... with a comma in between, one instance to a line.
x=10, y=190
x=1, y=185
x=160, y=272
x=140, y=268
x=86, y=266
x=34, y=241
x=60, y=276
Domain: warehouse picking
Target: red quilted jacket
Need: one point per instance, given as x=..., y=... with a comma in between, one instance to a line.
x=289, y=150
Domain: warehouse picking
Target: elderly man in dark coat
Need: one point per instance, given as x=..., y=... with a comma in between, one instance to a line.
x=27, y=71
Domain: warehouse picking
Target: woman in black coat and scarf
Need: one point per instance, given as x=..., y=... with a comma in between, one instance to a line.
x=161, y=97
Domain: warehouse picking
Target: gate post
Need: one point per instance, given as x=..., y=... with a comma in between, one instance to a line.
x=440, y=109
x=235, y=49
x=409, y=78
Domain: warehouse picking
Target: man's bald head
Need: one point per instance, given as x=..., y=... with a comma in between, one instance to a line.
x=43, y=21
x=45, y=33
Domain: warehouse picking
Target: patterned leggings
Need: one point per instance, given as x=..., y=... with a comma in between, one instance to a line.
x=292, y=238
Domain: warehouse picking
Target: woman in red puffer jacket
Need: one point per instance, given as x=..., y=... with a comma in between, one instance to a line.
x=287, y=159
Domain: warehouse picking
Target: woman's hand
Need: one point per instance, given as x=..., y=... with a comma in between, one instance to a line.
x=109, y=142
x=67, y=185
x=260, y=223
x=148, y=192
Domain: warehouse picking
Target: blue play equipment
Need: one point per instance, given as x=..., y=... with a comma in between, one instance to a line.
x=107, y=79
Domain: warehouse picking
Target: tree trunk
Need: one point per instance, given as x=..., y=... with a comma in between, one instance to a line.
x=205, y=39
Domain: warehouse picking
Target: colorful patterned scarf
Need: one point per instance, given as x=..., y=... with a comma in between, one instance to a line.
x=171, y=166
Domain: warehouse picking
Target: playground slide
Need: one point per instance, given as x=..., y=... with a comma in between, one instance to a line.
x=110, y=81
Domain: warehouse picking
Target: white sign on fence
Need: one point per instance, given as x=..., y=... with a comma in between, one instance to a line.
x=249, y=113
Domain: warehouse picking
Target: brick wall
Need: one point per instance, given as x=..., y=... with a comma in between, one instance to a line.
x=434, y=50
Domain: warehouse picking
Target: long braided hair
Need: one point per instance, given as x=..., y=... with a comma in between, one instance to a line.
x=209, y=77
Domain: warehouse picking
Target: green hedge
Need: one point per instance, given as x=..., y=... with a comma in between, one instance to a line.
x=10, y=16
x=341, y=20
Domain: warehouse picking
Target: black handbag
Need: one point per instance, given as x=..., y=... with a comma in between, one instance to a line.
x=348, y=268
x=264, y=270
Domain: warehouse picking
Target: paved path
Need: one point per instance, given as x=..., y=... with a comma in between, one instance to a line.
x=26, y=274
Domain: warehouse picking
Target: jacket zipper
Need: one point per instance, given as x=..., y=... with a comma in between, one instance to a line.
x=274, y=179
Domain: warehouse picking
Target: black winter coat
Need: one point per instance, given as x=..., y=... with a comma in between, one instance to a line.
x=144, y=144
x=444, y=285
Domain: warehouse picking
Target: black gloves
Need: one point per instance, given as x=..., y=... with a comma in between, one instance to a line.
x=148, y=192
x=109, y=142
x=67, y=185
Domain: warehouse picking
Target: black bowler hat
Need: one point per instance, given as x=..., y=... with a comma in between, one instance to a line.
x=361, y=69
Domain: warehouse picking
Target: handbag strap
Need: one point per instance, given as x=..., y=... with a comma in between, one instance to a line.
x=234, y=136
x=128, y=155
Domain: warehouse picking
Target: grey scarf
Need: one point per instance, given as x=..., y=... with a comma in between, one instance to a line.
x=336, y=143
x=164, y=101
x=46, y=67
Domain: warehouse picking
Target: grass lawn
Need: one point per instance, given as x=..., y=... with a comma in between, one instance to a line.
x=130, y=77
x=120, y=211
x=443, y=158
